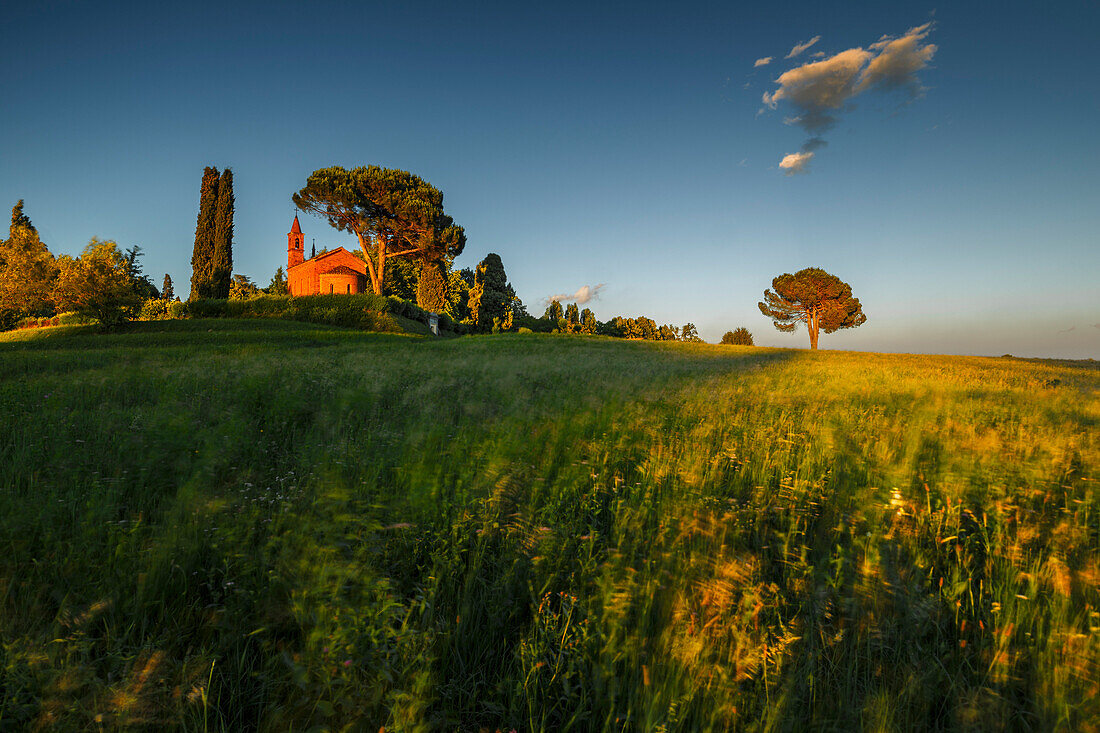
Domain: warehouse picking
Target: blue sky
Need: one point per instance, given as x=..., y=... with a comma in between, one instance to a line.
x=621, y=144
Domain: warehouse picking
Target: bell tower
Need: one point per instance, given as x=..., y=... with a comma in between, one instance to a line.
x=295, y=245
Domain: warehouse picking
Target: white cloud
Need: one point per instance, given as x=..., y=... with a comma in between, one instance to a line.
x=820, y=90
x=800, y=47
x=762, y=62
x=796, y=162
x=584, y=294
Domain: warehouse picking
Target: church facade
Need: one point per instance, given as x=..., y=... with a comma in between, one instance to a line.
x=335, y=271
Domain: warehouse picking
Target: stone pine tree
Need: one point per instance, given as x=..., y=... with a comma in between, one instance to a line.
x=431, y=287
x=202, y=257
x=488, y=296
x=167, y=292
x=392, y=213
x=812, y=296
x=222, y=269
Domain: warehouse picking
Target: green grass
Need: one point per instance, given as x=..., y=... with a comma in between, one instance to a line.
x=224, y=525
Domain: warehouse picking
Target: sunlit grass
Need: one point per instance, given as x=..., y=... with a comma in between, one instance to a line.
x=223, y=525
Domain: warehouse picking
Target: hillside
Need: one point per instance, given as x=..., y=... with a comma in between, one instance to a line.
x=230, y=524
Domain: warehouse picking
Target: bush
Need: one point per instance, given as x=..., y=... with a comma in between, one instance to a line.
x=177, y=310
x=154, y=310
x=740, y=337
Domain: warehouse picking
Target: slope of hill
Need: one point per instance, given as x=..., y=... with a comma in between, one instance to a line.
x=233, y=524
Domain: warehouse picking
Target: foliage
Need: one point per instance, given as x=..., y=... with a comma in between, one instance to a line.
x=99, y=284
x=27, y=275
x=166, y=290
x=265, y=525
x=20, y=220
x=459, y=283
x=243, y=288
x=222, y=265
x=488, y=296
x=143, y=286
x=431, y=289
x=815, y=298
x=392, y=213
x=278, y=285
x=740, y=337
x=690, y=334
x=154, y=309
x=202, y=256
x=589, y=324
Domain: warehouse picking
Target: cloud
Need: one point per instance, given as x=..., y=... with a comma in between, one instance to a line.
x=762, y=62
x=821, y=90
x=796, y=162
x=800, y=47
x=582, y=296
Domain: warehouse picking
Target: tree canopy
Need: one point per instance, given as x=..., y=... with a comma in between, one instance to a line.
x=99, y=284
x=392, y=213
x=740, y=337
x=812, y=296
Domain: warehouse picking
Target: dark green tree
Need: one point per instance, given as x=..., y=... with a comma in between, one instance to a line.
x=812, y=296
x=167, y=292
x=19, y=220
x=690, y=333
x=143, y=286
x=242, y=288
x=431, y=287
x=488, y=296
x=222, y=267
x=392, y=213
x=278, y=285
x=402, y=277
x=740, y=337
x=202, y=257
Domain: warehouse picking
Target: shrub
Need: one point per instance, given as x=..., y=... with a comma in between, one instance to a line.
x=154, y=310
x=740, y=337
x=177, y=310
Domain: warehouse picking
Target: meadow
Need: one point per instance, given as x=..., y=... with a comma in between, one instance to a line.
x=232, y=525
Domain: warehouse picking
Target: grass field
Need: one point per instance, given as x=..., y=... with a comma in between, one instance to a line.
x=224, y=525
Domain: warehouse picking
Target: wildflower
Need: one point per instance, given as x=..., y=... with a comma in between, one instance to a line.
x=347, y=662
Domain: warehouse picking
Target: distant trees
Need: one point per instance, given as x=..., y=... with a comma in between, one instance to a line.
x=167, y=292
x=690, y=334
x=489, y=295
x=740, y=337
x=99, y=283
x=27, y=272
x=278, y=284
x=242, y=288
x=392, y=213
x=812, y=296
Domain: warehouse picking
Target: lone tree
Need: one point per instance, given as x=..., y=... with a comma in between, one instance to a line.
x=391, y=212
x=812, y=296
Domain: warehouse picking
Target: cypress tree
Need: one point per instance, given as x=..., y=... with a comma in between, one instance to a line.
x=487, y=297
x=222, y=270
x=166, y=290
x=431, y=287
x=202, y=258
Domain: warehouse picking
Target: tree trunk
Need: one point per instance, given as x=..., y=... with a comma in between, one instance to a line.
x=811, y=326
x=375, y=281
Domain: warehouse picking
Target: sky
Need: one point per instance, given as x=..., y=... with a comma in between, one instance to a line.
x=941, y=160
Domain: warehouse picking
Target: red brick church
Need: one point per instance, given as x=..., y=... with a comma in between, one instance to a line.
x=335, y=271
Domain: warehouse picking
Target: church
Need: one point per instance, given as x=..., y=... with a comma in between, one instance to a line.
x=335, y=271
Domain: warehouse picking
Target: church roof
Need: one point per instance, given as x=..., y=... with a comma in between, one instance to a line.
x=341, y=270
x=295, y=228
